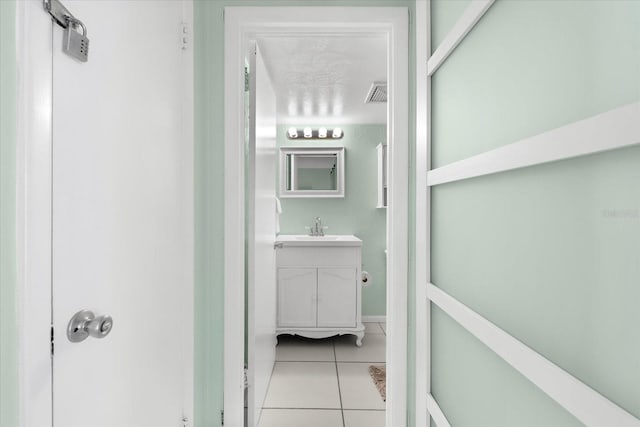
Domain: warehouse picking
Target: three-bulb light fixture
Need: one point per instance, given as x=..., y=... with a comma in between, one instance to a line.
x=320, y=133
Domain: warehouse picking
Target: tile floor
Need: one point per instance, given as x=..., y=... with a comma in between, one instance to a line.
x=326, y=383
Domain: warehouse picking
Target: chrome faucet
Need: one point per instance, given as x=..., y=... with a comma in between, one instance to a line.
x=317, y=229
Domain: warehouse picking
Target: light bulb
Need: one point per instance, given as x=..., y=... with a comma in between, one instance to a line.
x=293, y=133
x=337, y=133
x=322, y=133
x=307, y=133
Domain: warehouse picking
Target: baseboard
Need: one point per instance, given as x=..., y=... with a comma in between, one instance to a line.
x=374, y=319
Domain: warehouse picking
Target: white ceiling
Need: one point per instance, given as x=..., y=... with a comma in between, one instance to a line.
x=323, y=80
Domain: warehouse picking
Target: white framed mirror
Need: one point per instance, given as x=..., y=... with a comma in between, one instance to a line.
x=312, y=171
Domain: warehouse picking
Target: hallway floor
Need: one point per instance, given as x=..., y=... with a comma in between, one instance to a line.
x=326, y=383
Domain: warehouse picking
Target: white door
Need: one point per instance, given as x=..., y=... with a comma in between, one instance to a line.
x=337, y=297
x=261, y=232
x=297, y=297
x=122, y=218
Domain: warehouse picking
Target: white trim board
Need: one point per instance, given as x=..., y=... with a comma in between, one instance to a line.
x=454, y=37
x=436, y=413
x=584, y=403
x=607, y=131
x=33, y=211
x=422, y=335
x=241, y=24
x=188, y=339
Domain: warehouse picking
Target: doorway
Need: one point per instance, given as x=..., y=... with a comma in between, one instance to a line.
x=322, y=369
x=242, y=25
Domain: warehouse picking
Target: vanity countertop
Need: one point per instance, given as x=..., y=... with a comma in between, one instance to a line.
x=326, y=240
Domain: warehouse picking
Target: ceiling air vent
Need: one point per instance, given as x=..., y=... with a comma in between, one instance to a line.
x=377, y=93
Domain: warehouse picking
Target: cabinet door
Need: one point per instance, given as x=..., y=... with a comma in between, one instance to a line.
x=297, y=297
x=337, y=295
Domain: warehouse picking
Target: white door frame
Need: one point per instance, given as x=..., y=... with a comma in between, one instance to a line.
x=33, y=210
x=34, y=130
x=423, y=214
x=241, y=24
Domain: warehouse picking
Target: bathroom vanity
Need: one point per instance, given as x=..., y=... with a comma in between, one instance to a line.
x=319, y=292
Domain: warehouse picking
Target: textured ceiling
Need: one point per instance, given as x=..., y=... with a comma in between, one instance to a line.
x=323, y=80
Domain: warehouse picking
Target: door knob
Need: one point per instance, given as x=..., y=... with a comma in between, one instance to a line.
x=84, y=324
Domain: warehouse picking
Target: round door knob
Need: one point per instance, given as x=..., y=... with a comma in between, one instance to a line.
x=84, y=324
x=100, y=326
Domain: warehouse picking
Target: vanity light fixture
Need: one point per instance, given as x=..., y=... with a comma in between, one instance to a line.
x=308, y=133
x=320, y=133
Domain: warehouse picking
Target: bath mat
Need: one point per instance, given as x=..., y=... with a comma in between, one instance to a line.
x=379, y=377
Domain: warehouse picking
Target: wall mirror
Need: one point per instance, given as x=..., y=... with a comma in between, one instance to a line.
x=312, y=172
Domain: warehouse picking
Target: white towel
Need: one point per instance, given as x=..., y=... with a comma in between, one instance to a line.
x=278, y=212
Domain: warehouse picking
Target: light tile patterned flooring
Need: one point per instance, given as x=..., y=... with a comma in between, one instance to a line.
x=326, y=383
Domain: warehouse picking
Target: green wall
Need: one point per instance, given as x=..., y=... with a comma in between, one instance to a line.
x=209, y=197
x=549, y=253
x=444, y=14
x=8, y=295
x=356, y=213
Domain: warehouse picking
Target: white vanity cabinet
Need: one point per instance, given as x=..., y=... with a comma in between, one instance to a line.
x=319, y=291
x=297, y=295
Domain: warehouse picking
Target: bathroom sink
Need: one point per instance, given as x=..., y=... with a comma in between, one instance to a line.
x=326, y=240
x=313, y=238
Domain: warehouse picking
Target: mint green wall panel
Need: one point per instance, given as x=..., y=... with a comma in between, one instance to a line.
x=356, y=213
x=209, y=196
x=531, y=66
x=8, y=291
x=444, y=15
x=551, y=254
x=475, y=388
x=209, y=213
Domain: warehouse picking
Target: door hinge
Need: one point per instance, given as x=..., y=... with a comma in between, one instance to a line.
x=222, y=417
x=185, y=421
x=184, y=35
x=52, y=341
